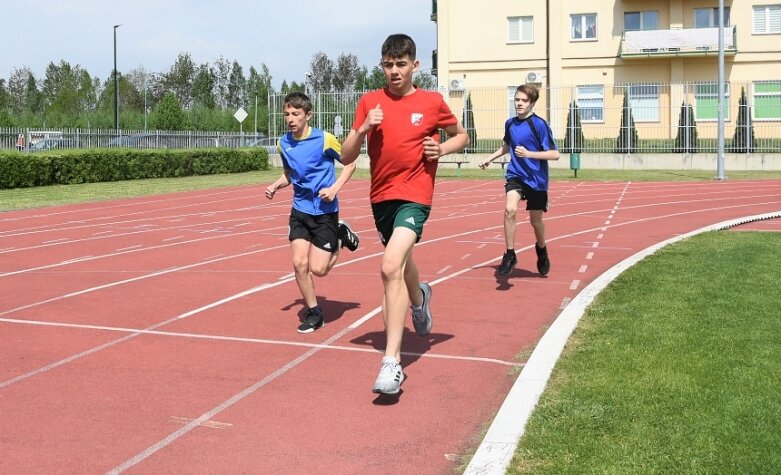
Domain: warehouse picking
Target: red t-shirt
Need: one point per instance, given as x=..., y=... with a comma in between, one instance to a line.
x=399, y=168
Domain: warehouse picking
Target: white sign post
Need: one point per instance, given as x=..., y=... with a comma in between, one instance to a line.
x=240, y=115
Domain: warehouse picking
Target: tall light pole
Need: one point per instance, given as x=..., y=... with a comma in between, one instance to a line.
x=116, y=85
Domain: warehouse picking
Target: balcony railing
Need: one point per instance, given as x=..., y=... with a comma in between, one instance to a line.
x=677, y=42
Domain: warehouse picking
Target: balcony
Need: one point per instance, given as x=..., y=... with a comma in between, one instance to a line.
x=678, y=42
x=433, y=10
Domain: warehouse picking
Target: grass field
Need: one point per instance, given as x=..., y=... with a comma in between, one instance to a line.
x=675, y=368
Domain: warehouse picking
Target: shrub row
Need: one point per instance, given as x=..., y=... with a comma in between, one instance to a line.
x=20, y=170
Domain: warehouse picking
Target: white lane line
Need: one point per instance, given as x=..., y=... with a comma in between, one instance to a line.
x=443, y=270
x=129, y=248
x=240, y=339
x=582, y=269
x=172, y=238
x=55, y=241
x=595, y=245
x=589, y=256
x=574, y=285
x=498, y=446
x=465, y=256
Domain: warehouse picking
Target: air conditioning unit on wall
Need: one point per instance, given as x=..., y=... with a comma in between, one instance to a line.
x=534, y=77
x=457, y=85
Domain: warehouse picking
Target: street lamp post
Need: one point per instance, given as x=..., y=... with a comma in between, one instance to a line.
x=116, y=85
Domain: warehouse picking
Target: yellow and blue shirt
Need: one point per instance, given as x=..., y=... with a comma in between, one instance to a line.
x=311, y=164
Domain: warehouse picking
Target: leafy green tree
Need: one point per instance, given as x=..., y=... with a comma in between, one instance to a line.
x=345, y=72
x=424, y=80
x=168, y=114
x=322, y=72
x=222, y=69
x=179, y=79
x=367, y=81
x=686, y=138
x=627, y=133
x=203, y=87
x=236, y=87
x=573, y=137
x=468, y=121
x=743, y=140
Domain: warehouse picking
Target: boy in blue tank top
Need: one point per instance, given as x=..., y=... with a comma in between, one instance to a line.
x=530, y=143
x=316, y=234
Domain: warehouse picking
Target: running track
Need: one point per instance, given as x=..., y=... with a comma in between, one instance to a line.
x=157, y=335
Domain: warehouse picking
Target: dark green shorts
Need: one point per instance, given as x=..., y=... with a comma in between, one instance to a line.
x=392, y=214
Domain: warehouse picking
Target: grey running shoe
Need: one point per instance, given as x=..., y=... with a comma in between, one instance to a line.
x=313, y=319
x=349, y=238
x=508, y=262
x=390, y=377
x=421, y=317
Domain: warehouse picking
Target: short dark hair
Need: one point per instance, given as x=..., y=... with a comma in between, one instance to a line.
x=298, y=100
x=532, y=92
x=398, y=45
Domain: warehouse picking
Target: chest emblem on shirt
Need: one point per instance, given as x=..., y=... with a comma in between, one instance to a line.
x=416, y=118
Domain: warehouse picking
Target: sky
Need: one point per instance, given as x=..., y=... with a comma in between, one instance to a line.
x=283, y=35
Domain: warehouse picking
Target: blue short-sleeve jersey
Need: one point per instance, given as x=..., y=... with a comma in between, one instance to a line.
x=532, y=172
x=311, y=164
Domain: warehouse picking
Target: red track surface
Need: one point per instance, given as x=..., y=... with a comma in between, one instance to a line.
x=157, y=335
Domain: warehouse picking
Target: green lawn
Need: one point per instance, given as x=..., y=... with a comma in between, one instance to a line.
x=675, y=368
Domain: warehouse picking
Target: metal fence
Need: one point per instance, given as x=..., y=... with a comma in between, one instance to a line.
x=50, y=139
x=625, y=118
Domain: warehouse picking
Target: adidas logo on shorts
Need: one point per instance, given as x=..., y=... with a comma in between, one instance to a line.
x=410, y=220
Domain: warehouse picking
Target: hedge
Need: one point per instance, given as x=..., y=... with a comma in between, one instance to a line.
x=21, y=170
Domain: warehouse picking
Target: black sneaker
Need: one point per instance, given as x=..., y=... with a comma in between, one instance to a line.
x=508, y=262
x=543, y=263
x=313, y=319
x=349, y=238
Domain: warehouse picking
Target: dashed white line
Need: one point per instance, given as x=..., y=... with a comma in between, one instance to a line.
x=589, y=256
x=574, y=285
x=582, y=269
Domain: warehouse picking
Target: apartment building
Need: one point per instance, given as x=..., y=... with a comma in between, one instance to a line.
x=655, y=54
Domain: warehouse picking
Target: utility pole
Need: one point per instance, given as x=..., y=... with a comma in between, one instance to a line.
x=116, y=83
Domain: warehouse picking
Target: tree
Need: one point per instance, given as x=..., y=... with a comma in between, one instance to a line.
x=203, y=87
x=627, y=134
x=425, y=80
x=179, y=79
x=468, y=120
x=346, y=72
x=322, y=72
x=221, y=72
x=368, y=81
x=168, y=114
x=236, y=86
x=573, y=137
x=686, y=138
x=743, y=140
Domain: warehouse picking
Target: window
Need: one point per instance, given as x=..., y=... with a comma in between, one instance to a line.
x=520, y=29
x=641, y=20
x=767, y=100
x=709, y=17
x=644, y=102
x=591, y=103
x=584, y=27
x=767, y=19
x=706, y=99
x=511, y=101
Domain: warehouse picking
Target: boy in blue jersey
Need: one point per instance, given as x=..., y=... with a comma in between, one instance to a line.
x=530, y=142
x=315, y=232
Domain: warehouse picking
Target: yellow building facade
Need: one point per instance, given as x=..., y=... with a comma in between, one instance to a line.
x=654, y=56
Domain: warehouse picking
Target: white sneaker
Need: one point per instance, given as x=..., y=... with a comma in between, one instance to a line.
x=390, y=377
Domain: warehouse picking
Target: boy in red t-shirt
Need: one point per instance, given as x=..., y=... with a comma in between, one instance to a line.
x=402, y=125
